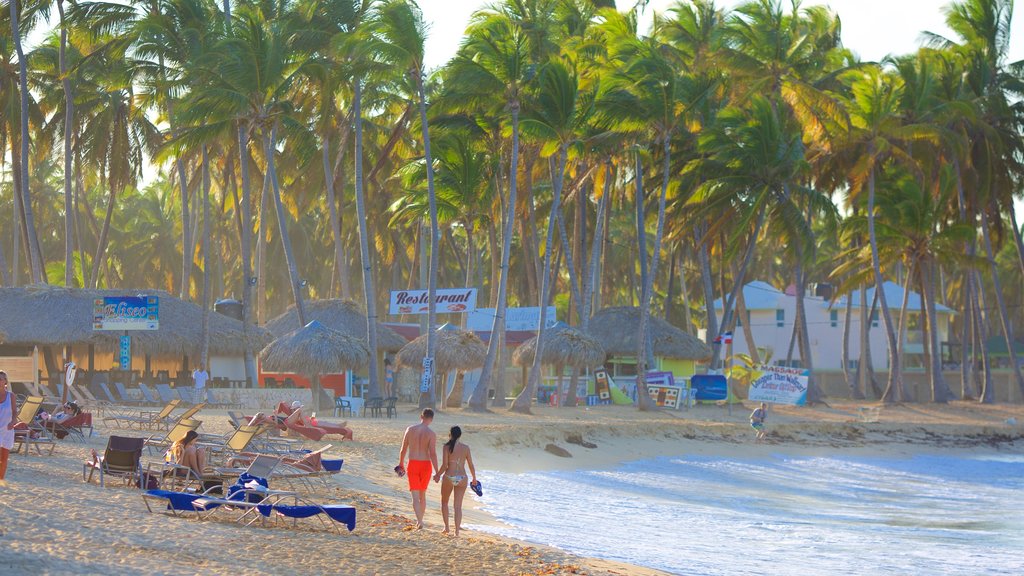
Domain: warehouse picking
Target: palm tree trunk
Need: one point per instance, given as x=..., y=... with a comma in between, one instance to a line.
x=248, y=280
x=270, y=145
x=851, y=381
x=101, y=243
x=69, y=114
x=997, y=288
x=987, y=394
x=525, y=397
x=205, y=347
x=592, y=280
x=36, y=266
x=967, y=332
x=478, y=401
x=427, y=399
x=940, y=391
x=574, y=284
x=748, y=333
x=904, y=320
x=332, y=211
x=727, y=309
x=495, y=254
x=261, y=253
x=644, y=352
x=1017, y=239
x=186, y=233
x=641, y=232
x=707, y=282
x=895, y=374
x=364, y=242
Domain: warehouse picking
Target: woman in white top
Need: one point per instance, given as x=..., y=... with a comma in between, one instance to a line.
x=8, y=418
x=453, y=470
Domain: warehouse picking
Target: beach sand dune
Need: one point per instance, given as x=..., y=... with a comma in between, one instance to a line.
x=51, y=522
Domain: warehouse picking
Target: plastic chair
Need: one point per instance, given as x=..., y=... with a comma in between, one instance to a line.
x=342, y=405
x=390, y=407
x=375, y=406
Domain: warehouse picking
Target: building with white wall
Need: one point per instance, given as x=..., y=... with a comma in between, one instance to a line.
x=771, y=314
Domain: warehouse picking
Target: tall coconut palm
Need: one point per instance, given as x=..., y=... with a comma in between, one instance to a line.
x=492, y=63
x=36, y=266
x=557, y=118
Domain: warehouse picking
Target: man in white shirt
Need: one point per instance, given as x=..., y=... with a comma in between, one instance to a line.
x=200, y=376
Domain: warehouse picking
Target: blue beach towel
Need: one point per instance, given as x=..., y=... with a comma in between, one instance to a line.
x=344, y=514
x=177, y=500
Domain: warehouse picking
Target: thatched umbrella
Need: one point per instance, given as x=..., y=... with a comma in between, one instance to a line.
x=314, y=350
x=341, y=315
x=457, y=349
x=617, y=330
x=563, y=346
x=54, y=316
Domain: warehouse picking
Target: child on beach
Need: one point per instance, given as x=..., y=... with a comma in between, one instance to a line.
x=453, y=470
x=757, y=418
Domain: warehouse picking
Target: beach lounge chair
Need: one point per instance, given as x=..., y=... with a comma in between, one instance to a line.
x=213, y=402
x=150, y=396
x=91, y=401
x=180, y=428
x=146, y=419
x=121, y=458
x=28, y=432
x=166, y=393
x=72, y=427
x=126, y=398
x=235, y=442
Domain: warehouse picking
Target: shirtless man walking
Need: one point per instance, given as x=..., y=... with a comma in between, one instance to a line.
x=420, y=442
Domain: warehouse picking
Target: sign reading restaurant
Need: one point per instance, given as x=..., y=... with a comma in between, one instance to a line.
x=446, y=301
x=126, y=313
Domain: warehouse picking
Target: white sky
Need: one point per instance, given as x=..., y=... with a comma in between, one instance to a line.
x=871, y=28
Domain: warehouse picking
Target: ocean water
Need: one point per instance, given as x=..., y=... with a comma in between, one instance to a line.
x=920, y=515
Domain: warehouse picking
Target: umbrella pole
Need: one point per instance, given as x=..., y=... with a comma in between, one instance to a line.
x=315, y=389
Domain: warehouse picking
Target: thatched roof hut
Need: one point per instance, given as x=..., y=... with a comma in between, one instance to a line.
x=456, y=350
x=563, y=346
x=315, y=349
x=336, y=314
x=617, y=329
x=55, y=316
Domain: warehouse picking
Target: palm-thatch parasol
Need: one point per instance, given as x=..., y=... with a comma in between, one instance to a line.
x=457, y=349
x=55, y=316
x=617, y=329
x=563, y=346
x=314, y=350
x=341, y=315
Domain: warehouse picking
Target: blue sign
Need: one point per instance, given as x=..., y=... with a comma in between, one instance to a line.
x=126, y=313
x=709, y=386
x=126, y=352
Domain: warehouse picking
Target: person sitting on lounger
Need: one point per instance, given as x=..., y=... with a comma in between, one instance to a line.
x=186, y=452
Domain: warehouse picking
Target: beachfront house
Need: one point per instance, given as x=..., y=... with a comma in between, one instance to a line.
x=771, y=313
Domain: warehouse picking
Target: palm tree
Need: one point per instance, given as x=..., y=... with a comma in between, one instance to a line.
x=876, y=136
x=36, y=266
x=492, y=61
x=556, y=118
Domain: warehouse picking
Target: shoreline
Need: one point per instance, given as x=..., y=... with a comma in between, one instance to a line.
x=85, y=519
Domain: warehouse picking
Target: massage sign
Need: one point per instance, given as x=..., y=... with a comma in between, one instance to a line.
x=446, y=301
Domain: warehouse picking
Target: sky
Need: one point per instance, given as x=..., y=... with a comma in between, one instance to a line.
x=872, y=29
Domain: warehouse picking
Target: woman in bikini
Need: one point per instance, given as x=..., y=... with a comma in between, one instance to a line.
x=453, y=471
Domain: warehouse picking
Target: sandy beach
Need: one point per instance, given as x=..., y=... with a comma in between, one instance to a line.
x=52, y=522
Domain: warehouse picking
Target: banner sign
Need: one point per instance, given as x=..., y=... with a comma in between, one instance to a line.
x=516, y=319
x=779, y=385
x=601, y=386
x=665, y=396
x=428, y=375
x=126, y=313
x=446, y=301
x=710, y=387
x=126, y=353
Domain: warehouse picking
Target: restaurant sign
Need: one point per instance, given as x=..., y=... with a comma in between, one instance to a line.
x=446, y=301
x=126, y=313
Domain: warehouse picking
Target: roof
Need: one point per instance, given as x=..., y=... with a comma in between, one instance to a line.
x=616, y=330
x=315, y=349
x=344, y=316
x=43, y=315
x=563, y=346
x=456, y=349
x=893, y=297
x=758, y=295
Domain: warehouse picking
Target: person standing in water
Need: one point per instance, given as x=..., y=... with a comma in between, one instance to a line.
x=757, y=418
x=420, y=443
x=456, y=456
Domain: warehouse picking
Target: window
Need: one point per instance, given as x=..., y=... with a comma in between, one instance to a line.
x=874, y=319
x=740, y=320
x=833, y=318
x=780, y=318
